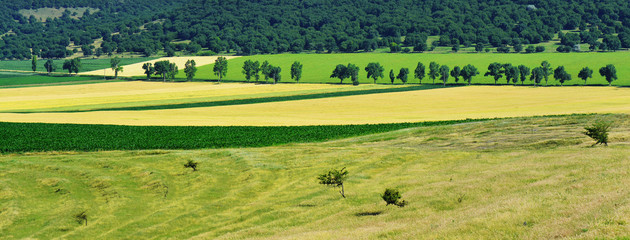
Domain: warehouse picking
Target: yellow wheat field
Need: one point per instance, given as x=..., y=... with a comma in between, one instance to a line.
x=424, y=105
x=141, y=93
x=135, y=69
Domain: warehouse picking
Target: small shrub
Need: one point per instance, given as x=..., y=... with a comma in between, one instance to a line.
x=81, y=217
x=334, y=178
x=392, y=196
x=191, y=164
x=599, y=132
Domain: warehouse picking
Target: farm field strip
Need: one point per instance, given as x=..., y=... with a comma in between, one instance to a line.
x=86, y=64
x=135, y=94
x=318, y=67
x=413, y=106
x=135, y=69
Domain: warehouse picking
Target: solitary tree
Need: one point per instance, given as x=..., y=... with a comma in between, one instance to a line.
x=494, y=70
x=353, y=72
x=455, y=73
x=546, y=70
x=561, y=75
x=609, y=72
x=444, y=71
x=419, y=72
x=537, y=75
x=220, y=67
x=374, y=70
x=115, y=65
x=191, y=164
x=296, y=71
x=340, y=72
x=434, y=71
x=34, y=63
x=81, y=218
x=148, y=70
x=392, y=77
x=585, y=74
x=403, y=75
x=334, y=178
x=523, y=72
x=599, y=132
x=392, y=197
x=190, y=69
x=468, y=72
x=50, y=66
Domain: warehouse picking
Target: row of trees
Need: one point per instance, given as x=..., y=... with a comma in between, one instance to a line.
x=515, y=73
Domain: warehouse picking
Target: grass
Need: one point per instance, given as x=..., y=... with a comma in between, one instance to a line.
x=514, y=183
x=18, y=80
x=86, y=64
x=318, y=67
x=39, y=137
x=394, y=107
x=139, y=95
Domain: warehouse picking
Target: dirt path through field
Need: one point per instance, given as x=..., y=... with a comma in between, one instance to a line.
x=136, y=68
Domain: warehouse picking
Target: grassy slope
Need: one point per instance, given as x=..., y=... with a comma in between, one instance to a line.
x=531, y=178
x=86, y=64
x=318, y=67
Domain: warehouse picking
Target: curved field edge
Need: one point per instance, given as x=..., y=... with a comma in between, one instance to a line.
x=324, y=93
x=520, y=178
x=42, y=137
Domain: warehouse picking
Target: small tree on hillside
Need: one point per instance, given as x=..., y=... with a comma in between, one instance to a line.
x=341, y=72
x=374, y=70
x=166, y=69
x=248, y=69
x=468, y=72
x=190, y=69
x=585, y=74
x=50, y=66
x=81, y=218
x=392, y=76
x=561, y=75
x=255, y=68
x=537, y=75
x=434, y=71
x=334, y=178
x=609, y=72
x=148, y=70
x=115, y=65
x=444, y=72
x=599, y=132
x=296, y=71
x=191, y=164
x=274, y=73
x=419, y=72
x=264, y=69
x=392, y=197
x=220, y=67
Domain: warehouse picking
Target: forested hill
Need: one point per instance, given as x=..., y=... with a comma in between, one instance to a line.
x=272, y=26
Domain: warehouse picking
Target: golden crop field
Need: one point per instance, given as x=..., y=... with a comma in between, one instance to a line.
x=147, y=93
x=413, y=106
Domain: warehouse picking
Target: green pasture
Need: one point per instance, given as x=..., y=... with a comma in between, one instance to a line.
x=318, y=67
x=11, y=79
x=86, y=64
x=522, y=178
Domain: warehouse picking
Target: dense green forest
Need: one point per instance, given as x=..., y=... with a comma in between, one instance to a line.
x=275, y=26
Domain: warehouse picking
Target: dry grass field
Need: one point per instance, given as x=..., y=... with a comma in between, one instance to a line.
x=524, y=178
x=412, y=106
x=135, y=69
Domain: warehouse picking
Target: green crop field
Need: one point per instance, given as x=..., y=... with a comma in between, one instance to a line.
x=86, y=64
x=11, y=80
x=318, y=67
x=520, y=178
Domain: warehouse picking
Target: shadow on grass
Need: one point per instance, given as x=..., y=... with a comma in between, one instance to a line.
x=368, y=213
